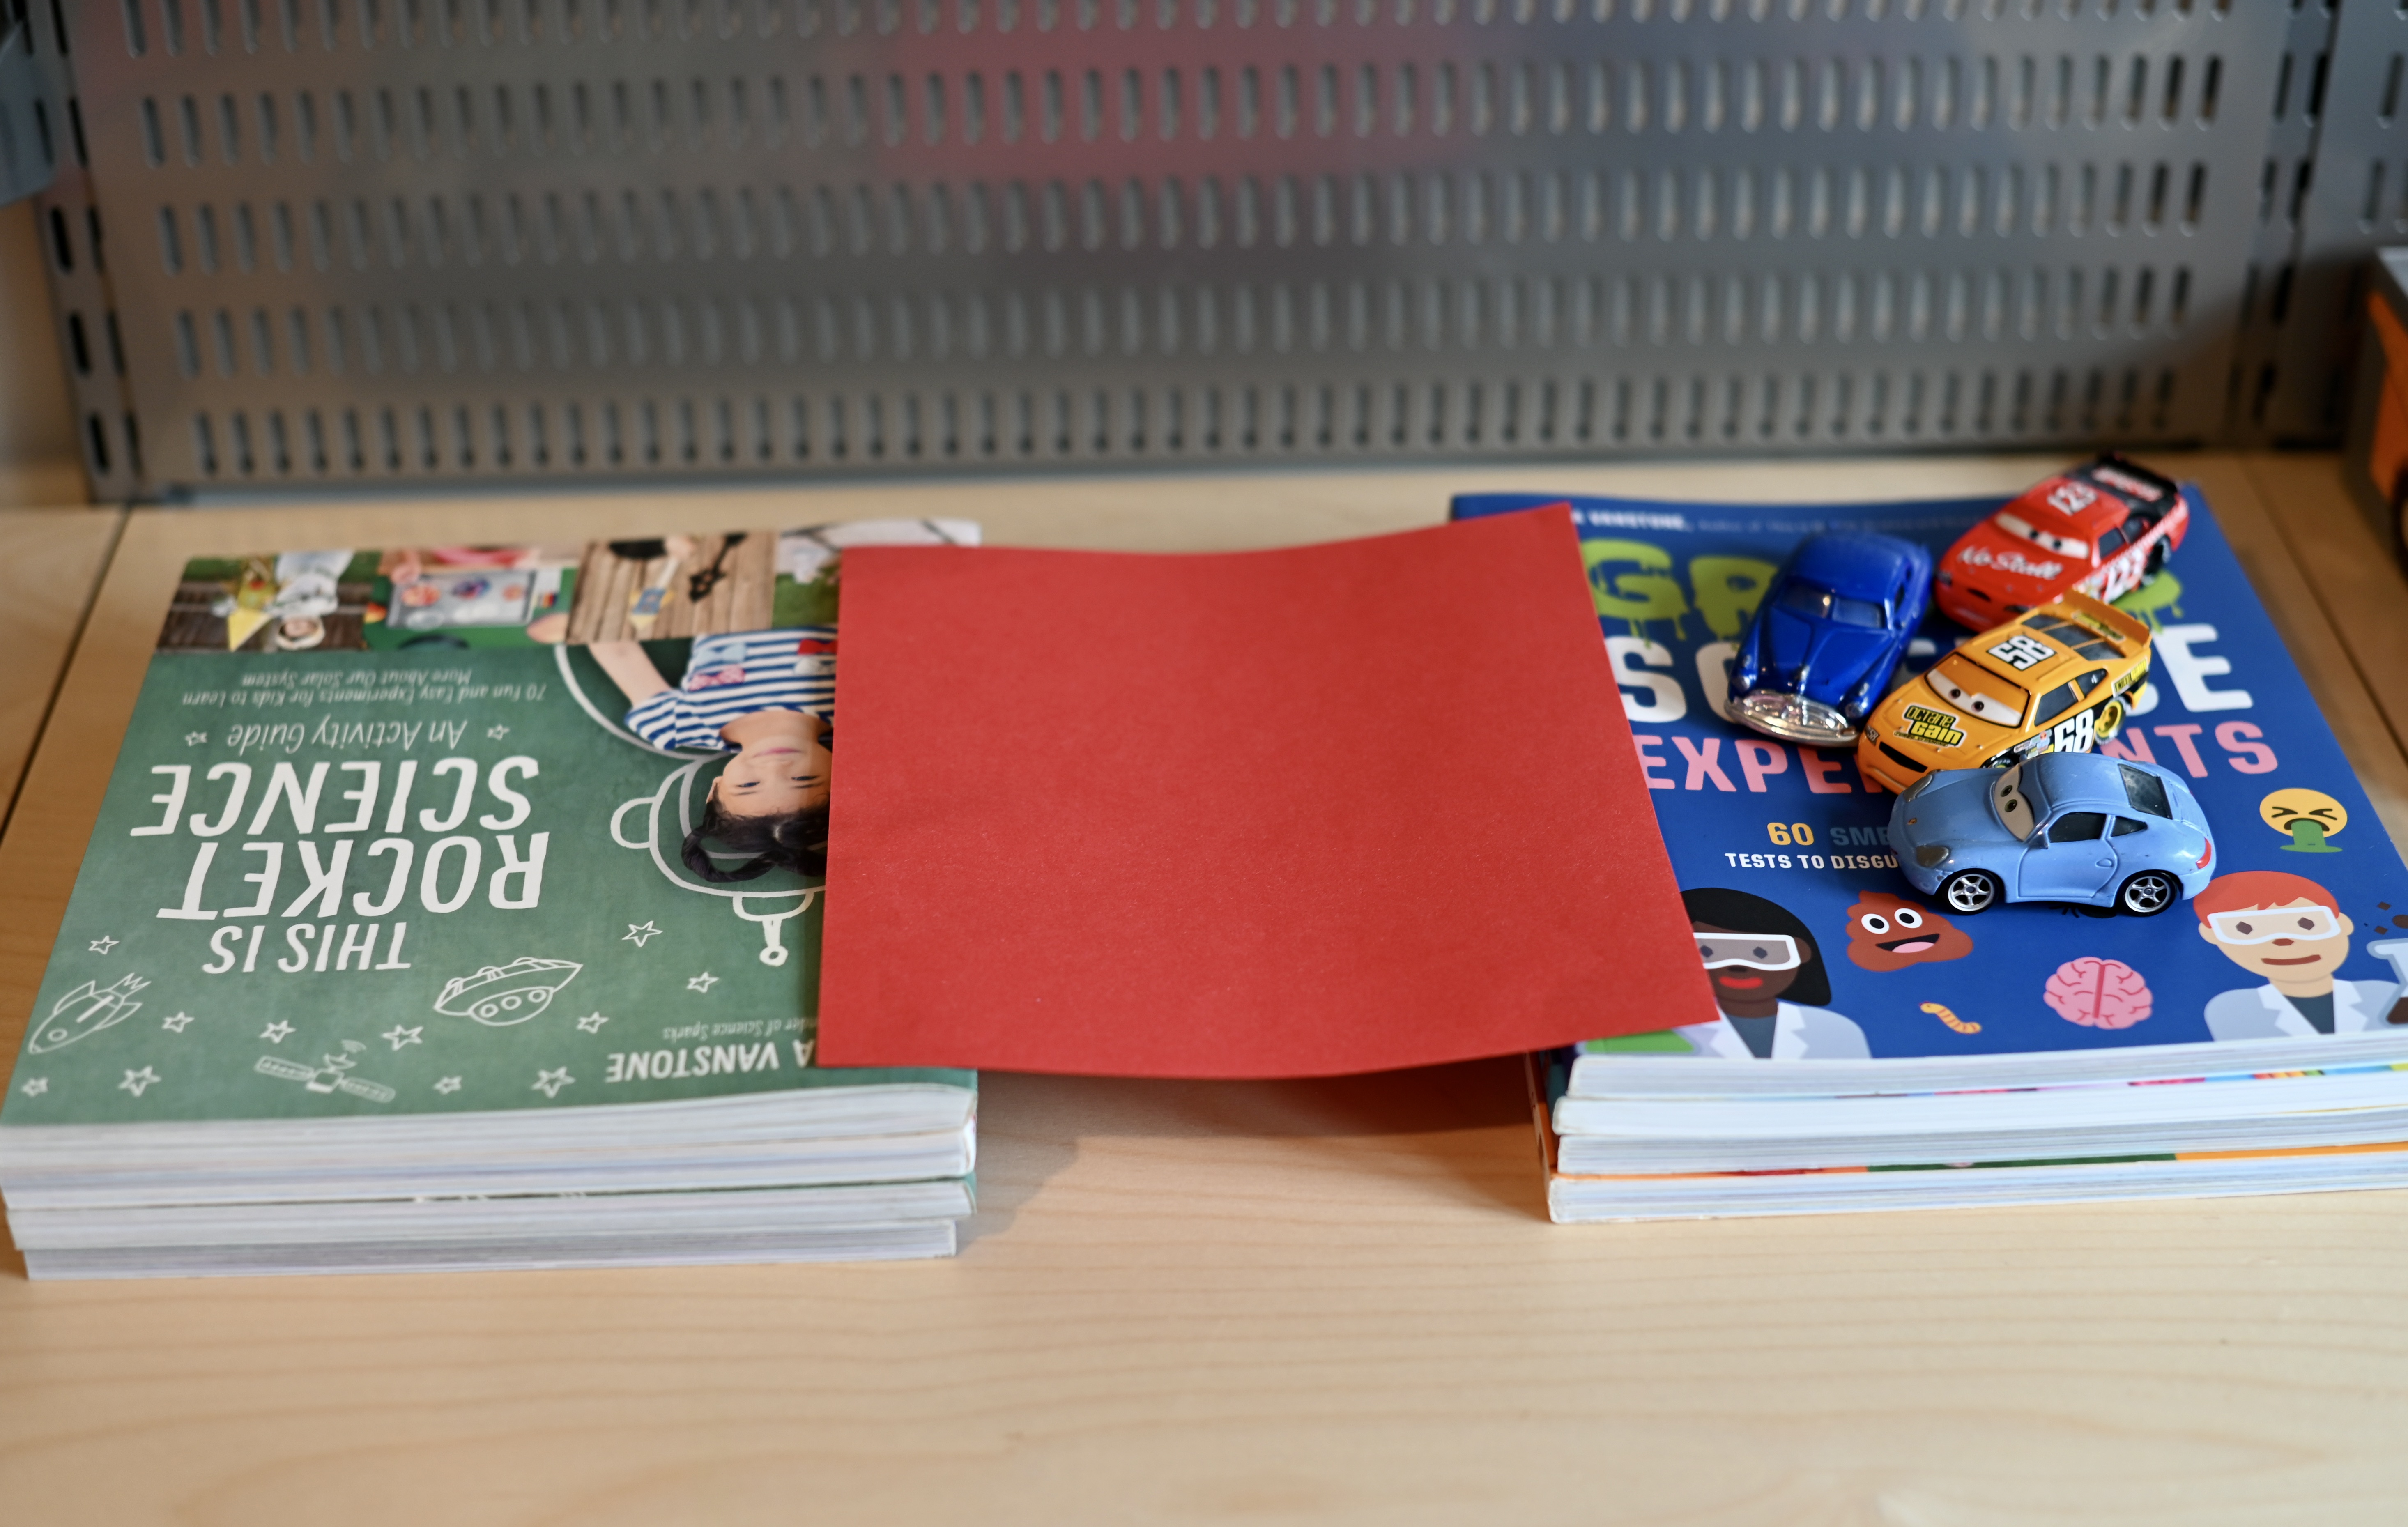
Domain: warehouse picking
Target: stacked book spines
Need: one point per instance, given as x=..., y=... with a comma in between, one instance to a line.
x=418, y=931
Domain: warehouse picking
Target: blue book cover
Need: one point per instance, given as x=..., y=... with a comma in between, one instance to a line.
x=1774, y=838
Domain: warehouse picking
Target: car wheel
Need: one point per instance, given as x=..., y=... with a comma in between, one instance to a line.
x=1970, y=890
x=2110, y=720
x=2147, y=893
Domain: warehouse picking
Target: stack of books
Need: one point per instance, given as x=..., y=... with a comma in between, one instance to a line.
x=1627, y=1142
x=459, y=907
x=1869, y=1047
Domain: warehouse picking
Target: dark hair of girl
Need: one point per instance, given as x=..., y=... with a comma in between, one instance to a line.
x=795, y=841
x=1741, y=913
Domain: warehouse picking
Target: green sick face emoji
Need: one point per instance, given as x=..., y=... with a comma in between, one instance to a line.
x=2306, y=817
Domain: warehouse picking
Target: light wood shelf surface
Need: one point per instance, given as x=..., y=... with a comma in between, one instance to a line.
x=1310, y=1301
x=50, y=563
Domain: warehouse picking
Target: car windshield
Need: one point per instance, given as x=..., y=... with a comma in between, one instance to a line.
x=1804, y=598
x=2015, y=810
x=1967, y=685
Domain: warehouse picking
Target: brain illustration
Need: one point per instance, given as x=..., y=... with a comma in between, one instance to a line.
x=2098, y=994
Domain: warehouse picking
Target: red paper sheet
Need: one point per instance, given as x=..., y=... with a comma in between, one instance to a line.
x=1285, y=813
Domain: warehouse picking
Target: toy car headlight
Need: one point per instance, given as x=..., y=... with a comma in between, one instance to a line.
x=1932, y=855
x=1918, y=787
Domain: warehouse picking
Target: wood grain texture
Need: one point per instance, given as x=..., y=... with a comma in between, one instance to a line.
x=738, y=600
x=2358, y=582
x=1329, y=1302
x=51, y=562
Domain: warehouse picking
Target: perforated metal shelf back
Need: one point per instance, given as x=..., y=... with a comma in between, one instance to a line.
x=414, y=239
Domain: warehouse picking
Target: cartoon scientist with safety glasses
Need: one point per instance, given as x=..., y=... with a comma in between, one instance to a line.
x=2291, y=931
x=1768, y=981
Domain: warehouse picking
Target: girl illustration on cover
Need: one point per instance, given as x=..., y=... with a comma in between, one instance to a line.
x=768, y=698
x=1757, y=956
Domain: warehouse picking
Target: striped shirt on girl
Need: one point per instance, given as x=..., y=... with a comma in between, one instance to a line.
x=734, y=675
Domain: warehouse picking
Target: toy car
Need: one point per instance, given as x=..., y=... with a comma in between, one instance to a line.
x=2062, y=827
x=1826, y=637
x=2100, y=528
x=2054, y=681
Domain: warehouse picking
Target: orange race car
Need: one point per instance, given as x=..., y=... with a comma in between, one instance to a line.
x=2100, y=528
x=2054, y=681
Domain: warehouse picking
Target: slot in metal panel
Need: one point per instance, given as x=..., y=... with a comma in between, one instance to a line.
x=420, y=240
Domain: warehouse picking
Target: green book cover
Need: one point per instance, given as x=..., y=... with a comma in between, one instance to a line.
x=452, y=830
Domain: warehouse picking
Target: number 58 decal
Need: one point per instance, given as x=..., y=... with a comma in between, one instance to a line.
x=2021, y=651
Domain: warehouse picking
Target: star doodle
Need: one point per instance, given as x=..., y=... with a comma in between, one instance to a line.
x=35, y=1086
x=638, y=932
x=136, y=1080
x=449, y=1084
x=549, y=1082
x=193, y=739
x=277, y=1032
x=175, y=1023
x=103, y=944
x=701, y=983
x=497, y=732
x=591, y=1022
x=398, y=1036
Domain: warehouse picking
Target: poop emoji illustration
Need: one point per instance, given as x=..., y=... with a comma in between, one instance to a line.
x=1890, y=933
x=2306, y=817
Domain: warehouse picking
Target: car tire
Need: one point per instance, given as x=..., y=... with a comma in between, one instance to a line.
x=2110, y=720
x=1970, y=890
x=2147, y=893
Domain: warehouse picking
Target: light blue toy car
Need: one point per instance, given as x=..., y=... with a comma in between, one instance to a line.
x=2058, y=827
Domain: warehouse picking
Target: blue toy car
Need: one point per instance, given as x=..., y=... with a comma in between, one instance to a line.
x=2058, y=827
x=1826, y=637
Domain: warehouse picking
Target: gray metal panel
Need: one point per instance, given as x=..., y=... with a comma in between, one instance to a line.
x=428, y=240
x=2359, y=200
x=28, y=150
x=2266, y=339
x=75, y=256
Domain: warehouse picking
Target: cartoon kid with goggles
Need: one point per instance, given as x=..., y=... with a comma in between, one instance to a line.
x=2289, y=931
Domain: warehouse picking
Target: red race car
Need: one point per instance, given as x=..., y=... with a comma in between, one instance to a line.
x=2100, y=528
